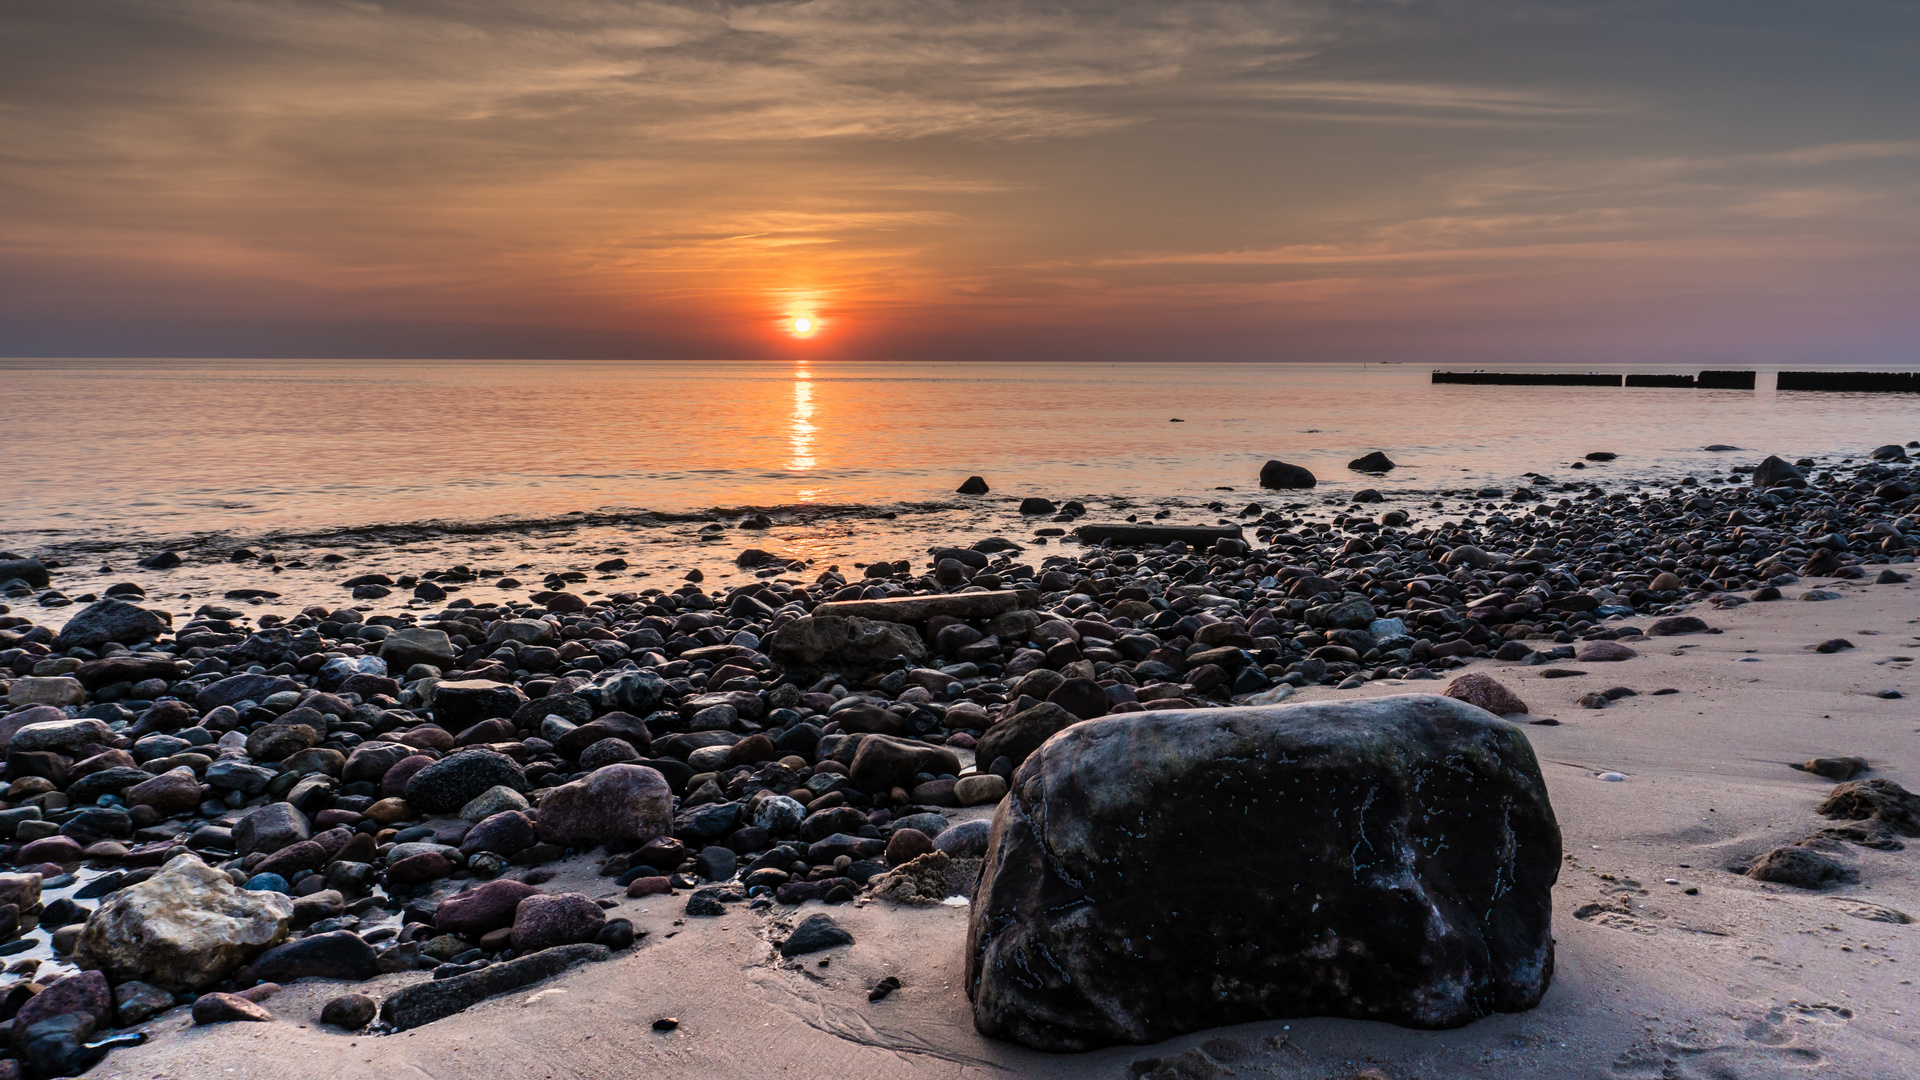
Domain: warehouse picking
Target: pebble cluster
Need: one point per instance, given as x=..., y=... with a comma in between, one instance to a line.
x=402, y=772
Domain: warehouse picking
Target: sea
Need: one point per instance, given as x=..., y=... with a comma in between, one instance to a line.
x=111, y=459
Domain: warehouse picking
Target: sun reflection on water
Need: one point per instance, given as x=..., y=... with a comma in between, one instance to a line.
x=800, y=429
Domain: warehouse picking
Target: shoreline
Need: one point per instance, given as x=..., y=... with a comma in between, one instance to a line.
x=815, y=533
x=1507, y=590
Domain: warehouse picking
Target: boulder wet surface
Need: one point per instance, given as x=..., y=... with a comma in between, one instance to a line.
x=1158, y=873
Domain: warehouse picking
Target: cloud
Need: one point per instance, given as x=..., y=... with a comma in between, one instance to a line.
x=696, y=71
x=593, y=165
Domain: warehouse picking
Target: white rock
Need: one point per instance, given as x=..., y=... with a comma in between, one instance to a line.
x=185, y=928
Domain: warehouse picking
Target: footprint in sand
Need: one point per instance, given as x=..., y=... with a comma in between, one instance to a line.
x=1617, y=913
x=1669, y=1060
x=1626, y=913
x=1789, y=1024
x=1860, y=909
x=1776, y=1038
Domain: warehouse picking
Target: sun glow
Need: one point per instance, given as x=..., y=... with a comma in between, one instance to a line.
x=803, y=326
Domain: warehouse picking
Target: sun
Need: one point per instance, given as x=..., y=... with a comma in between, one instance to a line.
x=803, y=325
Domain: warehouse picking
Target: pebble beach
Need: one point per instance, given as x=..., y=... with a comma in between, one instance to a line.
x=470, y=797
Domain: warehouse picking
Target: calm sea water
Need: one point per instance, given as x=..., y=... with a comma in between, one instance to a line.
x=143, y=449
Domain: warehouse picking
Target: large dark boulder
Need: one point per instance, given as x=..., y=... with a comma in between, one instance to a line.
x=1157, y=873
x=85, y=993
x=542, y=922
x=109, y=620
x=1280, y=475
x=27, y=717
x=281, y=740
x=487, y=907
x=1082, y=697
x=864, y=719
x=109, y=781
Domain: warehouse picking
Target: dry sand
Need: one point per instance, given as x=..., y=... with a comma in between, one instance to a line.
x=1742, y=980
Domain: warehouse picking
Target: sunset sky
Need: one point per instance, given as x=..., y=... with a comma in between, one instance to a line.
x=1624, y=180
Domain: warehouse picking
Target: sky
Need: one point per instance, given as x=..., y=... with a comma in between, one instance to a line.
x=1711, y=181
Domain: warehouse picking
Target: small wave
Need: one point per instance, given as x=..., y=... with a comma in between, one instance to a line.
x=112, y=538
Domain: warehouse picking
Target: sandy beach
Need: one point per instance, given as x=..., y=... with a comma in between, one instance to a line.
x=1739, y=979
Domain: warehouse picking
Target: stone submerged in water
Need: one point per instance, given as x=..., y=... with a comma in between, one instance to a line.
x=1404, y=848
x=1282, y=476
x=1775, y=471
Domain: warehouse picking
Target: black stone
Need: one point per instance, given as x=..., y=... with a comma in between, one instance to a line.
x=815, y=932
x=1414, y=831
x=716, y=863
x=1283, y=476
x=340, y=954
x=457, y=779
x=616, y=934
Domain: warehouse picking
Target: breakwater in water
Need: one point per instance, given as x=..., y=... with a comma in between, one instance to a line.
x=1907, y=382
x=1706, y=380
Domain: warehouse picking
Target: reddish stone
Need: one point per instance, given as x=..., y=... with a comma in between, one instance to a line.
x=648, y=886
x=476, y=911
